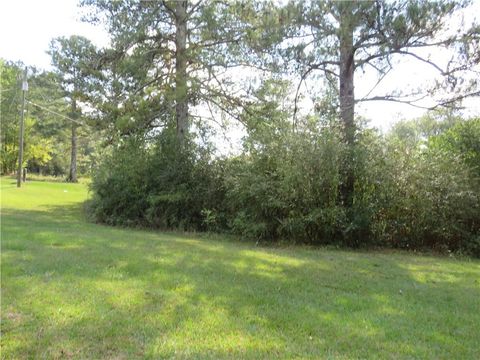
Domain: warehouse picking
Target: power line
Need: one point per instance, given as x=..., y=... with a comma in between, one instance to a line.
x=58, y=114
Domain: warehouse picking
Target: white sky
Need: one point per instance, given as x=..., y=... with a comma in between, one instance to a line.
x=27, y=27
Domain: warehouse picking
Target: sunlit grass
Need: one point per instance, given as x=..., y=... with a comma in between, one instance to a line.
x=72, y=289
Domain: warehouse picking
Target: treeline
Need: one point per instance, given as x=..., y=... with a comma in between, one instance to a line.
x=47, y=147
x=415, y=188
x=305, y=175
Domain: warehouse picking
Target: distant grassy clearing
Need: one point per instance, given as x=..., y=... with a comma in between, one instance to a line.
x=71, y=289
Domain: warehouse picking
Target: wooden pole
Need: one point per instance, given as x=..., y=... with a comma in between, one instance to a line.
x=22, y=120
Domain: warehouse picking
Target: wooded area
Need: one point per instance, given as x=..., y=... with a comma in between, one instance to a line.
x=144, y=119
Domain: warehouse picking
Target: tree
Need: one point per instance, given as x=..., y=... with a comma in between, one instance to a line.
x=181, y=99
x=324, y=181
x=342, y=38
x=10, y=110
x=172, y=61
x=42, y=128
x=72, y=58
x=463, y=140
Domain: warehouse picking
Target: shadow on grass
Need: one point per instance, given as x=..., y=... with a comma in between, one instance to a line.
x=74, y=289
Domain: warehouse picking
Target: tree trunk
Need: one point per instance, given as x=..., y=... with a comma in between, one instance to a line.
x=72, y=177
x=181, y=106
x=347, y=102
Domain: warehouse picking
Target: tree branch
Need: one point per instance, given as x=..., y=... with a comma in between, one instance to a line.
x=318, y=66
x=426, y=61
x=442, y=103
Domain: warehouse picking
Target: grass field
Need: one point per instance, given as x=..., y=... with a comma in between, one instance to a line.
x=76, y=290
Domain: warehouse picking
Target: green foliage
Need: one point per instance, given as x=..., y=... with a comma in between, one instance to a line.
x=285, y=186
x=143, y=86
x=289, y=191
x=37, y=148
x=43, y=133
x=432, y=194
x=409, y=194
x=415, y=188
x=316, y=178
x=159, y=185
x=73, y=59
x=119, y=186
x=463, y=139
x=10, y=112
x=434, y=202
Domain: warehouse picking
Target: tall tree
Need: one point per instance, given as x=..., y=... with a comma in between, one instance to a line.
x=341, y=38
x=172, y=58
x=181, y=97
x=72, y=59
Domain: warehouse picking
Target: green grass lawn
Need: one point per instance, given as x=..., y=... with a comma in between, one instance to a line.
x=72, y=289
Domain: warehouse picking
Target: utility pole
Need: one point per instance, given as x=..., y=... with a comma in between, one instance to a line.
x=22, y=120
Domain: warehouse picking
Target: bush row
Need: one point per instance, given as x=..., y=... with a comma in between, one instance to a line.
x=415, y=195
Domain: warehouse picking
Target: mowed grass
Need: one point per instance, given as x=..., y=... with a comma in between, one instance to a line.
x=76, y=290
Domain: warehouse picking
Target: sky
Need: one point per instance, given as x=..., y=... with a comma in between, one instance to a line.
x=27, y=27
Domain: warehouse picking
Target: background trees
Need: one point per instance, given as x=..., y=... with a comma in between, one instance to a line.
x=47, y=127
x=72, y=58
x=10, y=113
x=44, y=134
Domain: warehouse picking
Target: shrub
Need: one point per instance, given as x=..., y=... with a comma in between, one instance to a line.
x=159, y=186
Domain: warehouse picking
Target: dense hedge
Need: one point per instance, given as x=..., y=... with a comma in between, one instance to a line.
x=408, y=194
